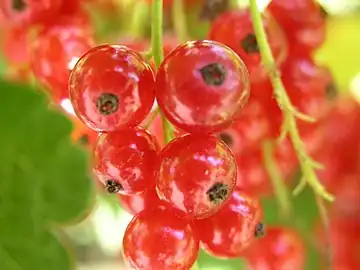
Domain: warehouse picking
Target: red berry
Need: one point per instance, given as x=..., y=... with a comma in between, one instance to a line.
x=235, y=29
x=308, y=85
x=158, y=239
x=248, y=130
x=29, y=11
x=16, y=45
x=197, y=174
x=127, y=161
x=54, y=54
x=201, y=86
x=111, y=88
x=280, y=249
x=303, y=22
x=233, y=228
x=138, y=202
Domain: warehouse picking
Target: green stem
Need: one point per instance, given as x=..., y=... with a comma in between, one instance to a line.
x=152, y=117
x=234, y=4
x=326, y=225
x=179, y=20
x=195, y=266
x=280, y=189
x=290, y=114
x=140, y=15
x=156, y=31
x=158, y=53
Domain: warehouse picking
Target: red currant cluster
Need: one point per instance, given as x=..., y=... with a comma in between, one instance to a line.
x=201, y=185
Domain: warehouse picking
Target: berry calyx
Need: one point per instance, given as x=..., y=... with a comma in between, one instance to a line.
x=158, y=239
x=196, y=70
x=234, y=28
x=111, y=88
x=197, y=175
x=126, y=161
x=231, y=230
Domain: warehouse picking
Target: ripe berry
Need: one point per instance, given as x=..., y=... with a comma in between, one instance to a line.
x=308, y=85
x=111, y=88
x=16, y=45
x=201, y=86
x=126, y=161
x=158, y=239
x=235, y=29
x=280, y=249
x=303, y=22
x=197, y=174
x=248, y=130
x=136, y=203
x=29, y=11
x=233, y=228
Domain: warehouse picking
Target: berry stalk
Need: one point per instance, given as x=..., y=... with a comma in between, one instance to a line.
x=280, y=189
x=139, y=17
x=290, y=128
x=158, y=53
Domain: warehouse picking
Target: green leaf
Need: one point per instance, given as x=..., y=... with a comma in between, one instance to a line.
x=205, y=261
x=43, y=181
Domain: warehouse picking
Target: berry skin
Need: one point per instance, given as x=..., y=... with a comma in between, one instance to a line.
x=233, y=228
x=234, y=29
x=248, y=130
x=126, y=161
x=111, y=88
x=136, y=203
x=29, y=11
x=280, y=249
x=201, y=86
x=16, y=45
x=158, y=239
x=303, y=22
x=197, y=174
x=55, y=52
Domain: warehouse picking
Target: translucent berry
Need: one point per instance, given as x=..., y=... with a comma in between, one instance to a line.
x=235, y=29
x=197, y=174
x=230, y=231
x=54, y=53
x=29, y=11
x=280, y=249
x=303, y=22
x=158, y=239
x=111, y=87
x=201, y=86
x=126, y=161
x=136, y=203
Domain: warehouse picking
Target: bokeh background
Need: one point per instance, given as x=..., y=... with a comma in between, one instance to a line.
x=96, y=240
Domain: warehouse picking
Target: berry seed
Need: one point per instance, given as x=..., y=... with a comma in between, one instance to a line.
x=107, y=104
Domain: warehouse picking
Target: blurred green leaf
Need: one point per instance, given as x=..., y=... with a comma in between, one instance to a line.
x=43, y=181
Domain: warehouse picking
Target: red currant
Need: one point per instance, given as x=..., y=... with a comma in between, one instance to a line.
x=127, y=161
x=197, y=174
x=233, y=228
x=111, y=87
x=29, y=11
x=249, y=129
x=252, y=176
x=281, y=249
x=54, y=54
x=235, y=29
x=83, y=135
x=201, y=86
x=16, y=45
x=158, y=239
x=303, y=22
x=138, y=202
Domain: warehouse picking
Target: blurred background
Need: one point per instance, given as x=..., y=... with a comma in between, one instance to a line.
x=97, y=239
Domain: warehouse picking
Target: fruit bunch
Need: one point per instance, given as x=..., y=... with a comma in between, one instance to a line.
x=180, y=139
